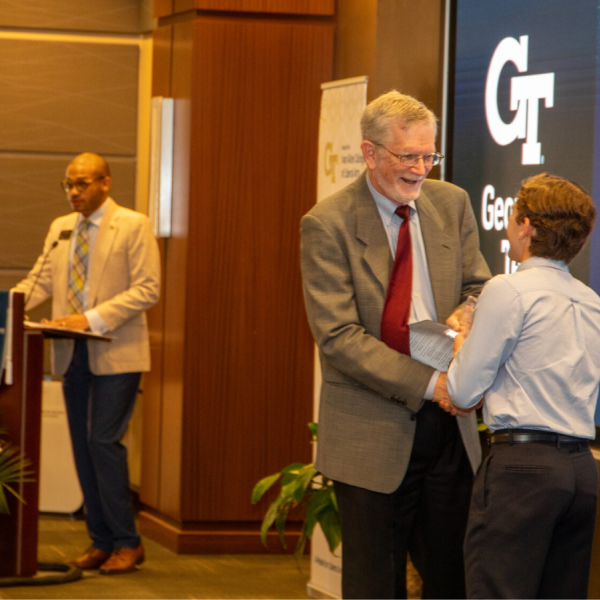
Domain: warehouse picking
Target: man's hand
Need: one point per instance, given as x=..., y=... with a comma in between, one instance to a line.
x=453, y=321
x=441, y=396
x=77, y=322
x=440, y=392
x=466, y=321
x=462, y=317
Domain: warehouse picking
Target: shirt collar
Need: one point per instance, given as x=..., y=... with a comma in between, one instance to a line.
x=538, y=261
x=96, y=217
x=386, y=207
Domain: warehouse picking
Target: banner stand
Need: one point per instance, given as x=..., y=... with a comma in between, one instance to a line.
x=340, y=163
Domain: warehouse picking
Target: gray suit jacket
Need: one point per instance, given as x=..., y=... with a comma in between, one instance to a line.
x=369, y=390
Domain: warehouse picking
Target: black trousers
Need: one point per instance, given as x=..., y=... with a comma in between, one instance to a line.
x=531, y=522
x=426, y=517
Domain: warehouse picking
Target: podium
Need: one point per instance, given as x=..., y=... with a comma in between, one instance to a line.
x=20, y=416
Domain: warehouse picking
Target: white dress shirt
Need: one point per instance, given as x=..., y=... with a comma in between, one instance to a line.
x=533, y=351
x=422, y=307
x=97, y=324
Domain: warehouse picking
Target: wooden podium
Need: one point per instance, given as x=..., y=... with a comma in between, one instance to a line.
x=20, y=415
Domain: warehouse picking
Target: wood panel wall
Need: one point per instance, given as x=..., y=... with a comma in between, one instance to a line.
x=122, y=16
x=399, y=44
x=230, y=393
x=258, y=178
x=304, y=7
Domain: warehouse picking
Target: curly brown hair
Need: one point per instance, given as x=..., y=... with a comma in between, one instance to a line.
x=561, y=212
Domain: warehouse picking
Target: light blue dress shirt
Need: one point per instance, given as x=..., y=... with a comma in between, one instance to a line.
x=422, y=306
x=533, y=351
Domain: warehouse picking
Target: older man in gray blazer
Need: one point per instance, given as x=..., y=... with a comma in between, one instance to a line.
x=402, y=467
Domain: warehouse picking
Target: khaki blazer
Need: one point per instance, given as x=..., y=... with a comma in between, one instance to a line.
x=370, y=392
x=124, y=281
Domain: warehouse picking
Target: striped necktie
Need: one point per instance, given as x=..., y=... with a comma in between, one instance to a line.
x=396, y=311
x=79, y=268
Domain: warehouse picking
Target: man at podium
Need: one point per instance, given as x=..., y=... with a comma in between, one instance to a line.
x=101, y=267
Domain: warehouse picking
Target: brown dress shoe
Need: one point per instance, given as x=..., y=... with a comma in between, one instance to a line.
x=91, y=559
x=123, y=560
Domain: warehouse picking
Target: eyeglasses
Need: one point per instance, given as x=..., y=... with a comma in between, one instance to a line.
x=410, y=160
x=80, y=186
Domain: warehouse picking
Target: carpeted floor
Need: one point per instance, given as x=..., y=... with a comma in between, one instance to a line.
x=168, y=575
x=165, y=574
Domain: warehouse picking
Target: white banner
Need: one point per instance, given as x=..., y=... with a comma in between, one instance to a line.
x=340, y=156
x=340, y=163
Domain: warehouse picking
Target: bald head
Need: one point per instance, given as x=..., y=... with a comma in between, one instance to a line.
x=89, y=160
x=91, y=173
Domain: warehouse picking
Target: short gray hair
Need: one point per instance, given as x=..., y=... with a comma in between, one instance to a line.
x=393, y=107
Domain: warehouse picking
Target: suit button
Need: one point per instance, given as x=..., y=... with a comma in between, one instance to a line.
x=413, y=417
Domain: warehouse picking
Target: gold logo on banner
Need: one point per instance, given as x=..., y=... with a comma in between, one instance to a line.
x=330, y=161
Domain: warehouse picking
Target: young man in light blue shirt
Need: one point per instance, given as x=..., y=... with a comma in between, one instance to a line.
x=534, y=353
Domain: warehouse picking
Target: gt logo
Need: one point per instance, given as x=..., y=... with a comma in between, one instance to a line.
x=330, y=161
x=525, y=93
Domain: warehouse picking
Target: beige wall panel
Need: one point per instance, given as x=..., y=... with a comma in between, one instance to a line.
x=375, y=38
x=100, y=15
x=410, y=50
x=60, y=96
x=31, y=198
x=147, y=21
x=355, y=40
x=9, y=279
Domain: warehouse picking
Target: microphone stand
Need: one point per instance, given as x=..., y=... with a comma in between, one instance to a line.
x=54, y=244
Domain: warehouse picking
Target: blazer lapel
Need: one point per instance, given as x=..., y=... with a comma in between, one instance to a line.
x=370, y=231
x=439, y=250
x=102, y=249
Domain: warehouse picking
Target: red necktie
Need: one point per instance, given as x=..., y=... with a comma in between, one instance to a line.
x=394, y=322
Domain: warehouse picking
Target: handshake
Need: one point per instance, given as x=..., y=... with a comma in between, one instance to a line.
x=461, y=321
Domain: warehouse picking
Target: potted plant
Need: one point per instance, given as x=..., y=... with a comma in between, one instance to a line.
x=13, y=469
x=301, y=485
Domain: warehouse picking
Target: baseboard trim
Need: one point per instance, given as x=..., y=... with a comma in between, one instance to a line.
x=214, y=538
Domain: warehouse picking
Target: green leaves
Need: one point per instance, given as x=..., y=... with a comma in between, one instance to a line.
x=295, y=479
x=13, y=469
x=321, y=508
x=301, y=484
x=295, y=482
x=262, y=486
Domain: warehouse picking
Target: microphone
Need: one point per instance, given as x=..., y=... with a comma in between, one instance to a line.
x=54, y=244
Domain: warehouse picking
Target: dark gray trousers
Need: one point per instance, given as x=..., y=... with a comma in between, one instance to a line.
x=426, y=517
x=531, y=522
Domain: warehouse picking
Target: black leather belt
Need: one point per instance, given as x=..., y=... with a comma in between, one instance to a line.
x=529, y=437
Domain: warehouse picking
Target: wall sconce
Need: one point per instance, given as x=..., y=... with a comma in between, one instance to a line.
x=161, y=166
